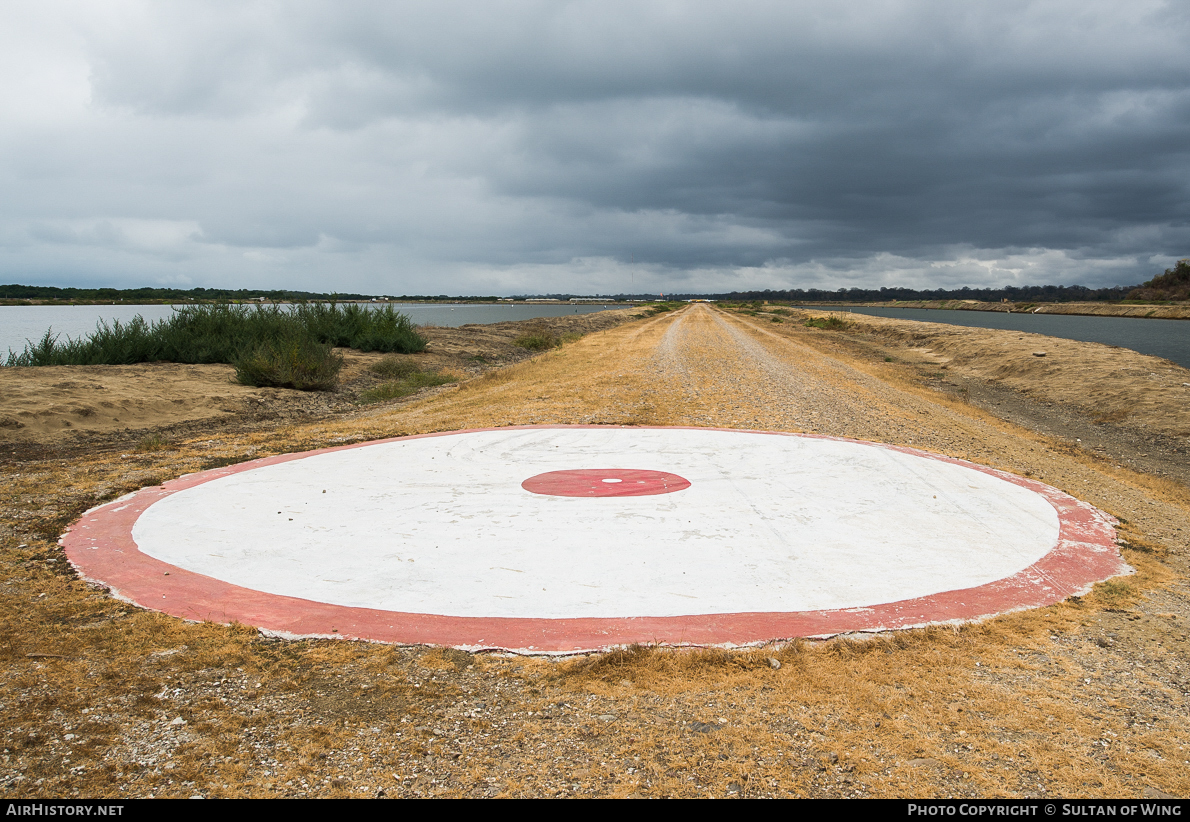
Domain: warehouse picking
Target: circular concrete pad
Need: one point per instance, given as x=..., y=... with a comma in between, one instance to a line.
x=555, y=539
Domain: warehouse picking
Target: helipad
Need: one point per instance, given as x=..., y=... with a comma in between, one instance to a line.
x=556, y=539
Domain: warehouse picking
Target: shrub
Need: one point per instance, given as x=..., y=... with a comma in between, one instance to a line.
x=831, y=323
x=152, y=442
x=269, y=345
x=538, y=338
x=364, y=329
x=299, y=363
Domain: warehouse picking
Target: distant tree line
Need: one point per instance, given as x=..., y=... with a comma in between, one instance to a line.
x=1016, y=294
x=1174, y=284
x=1028, y=293
x=139, y=295
x=155, y=295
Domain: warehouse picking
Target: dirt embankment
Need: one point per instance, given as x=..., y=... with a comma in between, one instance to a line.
x=1117, y=403
x=1179, y=311
x=1107, y=383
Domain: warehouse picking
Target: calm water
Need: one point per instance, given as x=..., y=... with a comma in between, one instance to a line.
x=1161, y=338
x=19, y=323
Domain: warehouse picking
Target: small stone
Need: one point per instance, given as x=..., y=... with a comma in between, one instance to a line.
x=774, y=663
x=177, y=720
x=1038, y=353
x=607, y=717
x=924, y=763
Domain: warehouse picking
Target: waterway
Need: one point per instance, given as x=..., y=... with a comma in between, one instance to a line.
x=1169, y=339
x=20, y=324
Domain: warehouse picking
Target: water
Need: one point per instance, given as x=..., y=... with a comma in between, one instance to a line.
x=1169, y=339
x=1161, y=338
x=21, y=323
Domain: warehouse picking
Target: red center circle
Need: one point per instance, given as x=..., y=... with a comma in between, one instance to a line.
x=605, y=482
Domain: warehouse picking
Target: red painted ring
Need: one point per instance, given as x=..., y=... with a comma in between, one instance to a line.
x=101, y=548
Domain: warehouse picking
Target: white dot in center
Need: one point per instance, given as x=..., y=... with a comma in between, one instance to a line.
x=609, y=479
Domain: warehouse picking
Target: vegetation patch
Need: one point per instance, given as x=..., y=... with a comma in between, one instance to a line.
x=394, y=368
x=300, y=363
x=831, y=323
x=1115, y=592
x=402, y=378
x=269, y=345
x=1174, y=284
x=152, y=442
x=538, y=338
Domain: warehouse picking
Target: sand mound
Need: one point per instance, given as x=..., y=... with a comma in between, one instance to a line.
x=52, y=400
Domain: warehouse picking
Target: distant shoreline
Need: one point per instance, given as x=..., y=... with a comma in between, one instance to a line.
x=1161, y=311
x=1156, y=311
x=534, y=301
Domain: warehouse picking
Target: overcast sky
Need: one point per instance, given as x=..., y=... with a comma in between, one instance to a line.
x=534, y=147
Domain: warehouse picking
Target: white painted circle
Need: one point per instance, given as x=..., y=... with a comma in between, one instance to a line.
x=441, y=525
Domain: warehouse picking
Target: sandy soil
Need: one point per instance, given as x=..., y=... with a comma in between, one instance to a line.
x=1086, y=698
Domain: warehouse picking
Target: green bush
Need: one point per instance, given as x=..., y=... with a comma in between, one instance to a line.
x=831, y=323
x=259, y=341
x=299, y=363
x=538, y=338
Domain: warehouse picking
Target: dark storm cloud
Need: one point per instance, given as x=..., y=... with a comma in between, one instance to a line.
x=543, y=146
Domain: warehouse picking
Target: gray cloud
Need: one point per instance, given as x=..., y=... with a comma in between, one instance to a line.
x=593, y=146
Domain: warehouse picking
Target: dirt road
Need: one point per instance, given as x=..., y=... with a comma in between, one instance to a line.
x=1087, y=698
